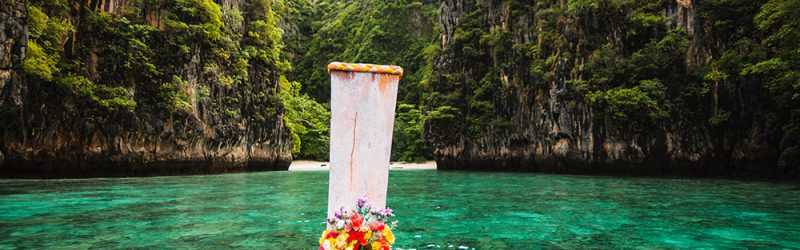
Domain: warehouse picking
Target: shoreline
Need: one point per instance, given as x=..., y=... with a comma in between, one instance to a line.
x=306, y=165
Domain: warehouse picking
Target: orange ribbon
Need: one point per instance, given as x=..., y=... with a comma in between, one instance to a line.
x=365, y=67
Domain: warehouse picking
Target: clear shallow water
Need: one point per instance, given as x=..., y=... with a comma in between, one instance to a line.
x=435, y=210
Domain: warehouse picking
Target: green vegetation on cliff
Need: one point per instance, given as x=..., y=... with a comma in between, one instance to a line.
x=308, y=120
x=708, y=86
x=777, y=60
x=368, y=31
x=124, y=50
x=149, y=85
x=626, y=75
x=135, y=60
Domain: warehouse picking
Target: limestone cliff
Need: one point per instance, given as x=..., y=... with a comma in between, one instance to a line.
x=602, y=87
x=132, y=88
x=13, y=39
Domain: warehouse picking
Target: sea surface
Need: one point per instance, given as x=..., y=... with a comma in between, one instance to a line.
x=447, y=210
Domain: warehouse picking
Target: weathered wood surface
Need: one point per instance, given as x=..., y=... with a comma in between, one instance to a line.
x=362, y=118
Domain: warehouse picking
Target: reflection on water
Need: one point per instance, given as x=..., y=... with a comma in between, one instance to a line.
x=435, y=210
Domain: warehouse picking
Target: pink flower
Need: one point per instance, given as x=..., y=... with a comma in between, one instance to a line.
x=361, y=201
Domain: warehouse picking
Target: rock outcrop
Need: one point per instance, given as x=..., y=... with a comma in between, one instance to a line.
x=514, y=84
x=13, y=39
x=162, y=101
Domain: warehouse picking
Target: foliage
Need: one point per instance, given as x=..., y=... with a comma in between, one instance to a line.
x=42, y=58
x=631, y=67
x=263, y=35
x=307, y=120
x=626, y=59
x=202, y=18
x=395, y=32
x=39, y=63
x=125, y=53
x=49, y=25
x=640, y=98
x=113, y=98
x=175, y=96
x=123, y=45
x=372, y=31
x=628, y=103
x=408, y=143
x=720, y=117
x=780, y=68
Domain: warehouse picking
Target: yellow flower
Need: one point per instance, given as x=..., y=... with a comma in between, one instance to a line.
x=327, y=244
x=322, y=239
x=387, y=234
x=341, y=241
x=368, y=235
x=376, y=245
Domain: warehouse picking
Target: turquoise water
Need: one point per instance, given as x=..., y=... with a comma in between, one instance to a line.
x=435, y=210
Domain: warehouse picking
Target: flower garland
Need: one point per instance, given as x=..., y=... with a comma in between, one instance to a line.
x=361, y=228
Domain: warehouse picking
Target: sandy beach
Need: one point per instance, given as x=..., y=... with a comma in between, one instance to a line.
x=303, y=165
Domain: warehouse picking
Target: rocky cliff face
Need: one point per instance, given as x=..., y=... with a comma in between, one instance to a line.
x=13, y=39
x=163, y=87
x=600, y=87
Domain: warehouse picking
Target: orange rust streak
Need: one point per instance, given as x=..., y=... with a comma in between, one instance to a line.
x=343, y=75
x=353, y=150
x=383, y=82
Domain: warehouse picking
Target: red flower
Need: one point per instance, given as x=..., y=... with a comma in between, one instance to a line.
x=358, y=236
x=332, y=235
x=376, y=226
x=356, y=220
